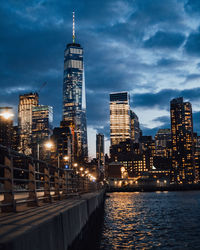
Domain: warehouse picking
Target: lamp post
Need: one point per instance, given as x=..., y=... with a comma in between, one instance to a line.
x=6, y=126
x=48, y=145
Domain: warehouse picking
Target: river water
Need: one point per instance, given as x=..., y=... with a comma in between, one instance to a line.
x=154, y=220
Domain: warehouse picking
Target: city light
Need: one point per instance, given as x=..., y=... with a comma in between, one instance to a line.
x=7, y=115
x=65, y=158
x=48, y=145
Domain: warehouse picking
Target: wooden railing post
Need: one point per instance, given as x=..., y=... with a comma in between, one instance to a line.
x=64, y=184
x=32, y=185
x=56, y=184
x=8, y=186
x=47, y=193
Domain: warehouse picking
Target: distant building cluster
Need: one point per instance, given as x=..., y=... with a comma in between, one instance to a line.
x=172, y=156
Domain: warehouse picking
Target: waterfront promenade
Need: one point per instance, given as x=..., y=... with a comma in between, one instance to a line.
x=55, y=226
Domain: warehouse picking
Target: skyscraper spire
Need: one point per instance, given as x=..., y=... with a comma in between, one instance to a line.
x=73, y=30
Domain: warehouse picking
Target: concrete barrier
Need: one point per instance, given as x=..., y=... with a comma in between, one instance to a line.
x=56, y=231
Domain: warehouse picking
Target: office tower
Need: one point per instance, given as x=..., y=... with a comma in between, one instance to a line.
x=100, y=148
x=162, y=137
x=26, y=104
x=135, y=127
x=182, y=141
x=42, y=118
x=62, y=139
x=197, y=156
x=6, y=126
x=74, y=99
x=120, y=126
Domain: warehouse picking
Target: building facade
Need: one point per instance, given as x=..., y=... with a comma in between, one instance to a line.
x=120, y=126
x=162, y=137
x=183, y=169
x=26, y=104
x=74, y=98
x=100, y=148
x=135, y=127
x=42, y=119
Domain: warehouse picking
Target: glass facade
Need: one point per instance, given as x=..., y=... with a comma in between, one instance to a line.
x=74, y=101
x=162, y=137
x=120, y=126
x=42, y=119
x=135, y=127
x=100, y=147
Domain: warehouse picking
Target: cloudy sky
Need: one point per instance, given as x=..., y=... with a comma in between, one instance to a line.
x=150, y=48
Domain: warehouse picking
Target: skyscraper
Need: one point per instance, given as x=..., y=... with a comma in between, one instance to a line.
x=74, y=99
x=100, y=147
x=135, y=127
x=42, y=118
x=120, y=126
x=182, y=141
x=162, y=137
x=26, y=104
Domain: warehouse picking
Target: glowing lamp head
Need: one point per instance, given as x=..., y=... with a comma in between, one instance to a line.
x=7, y=115
x=48, y=145
x=66, y=158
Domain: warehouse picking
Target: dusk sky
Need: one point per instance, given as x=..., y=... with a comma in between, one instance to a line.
x=150, y=48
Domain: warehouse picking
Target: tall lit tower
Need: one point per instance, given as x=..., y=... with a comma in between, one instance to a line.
x=120, y=126
x=182, y=141
x=100, y=147
x=26, y=104
x=74, y=99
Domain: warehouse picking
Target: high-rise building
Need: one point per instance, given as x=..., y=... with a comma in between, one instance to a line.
x=120, y=127
x=74, y=99
x=42, y=118
x=62, y=139
x=135, y=127
x=6, y=126
x=26, y=104
x=100, y=147
x=162, y=137
x=182, y=141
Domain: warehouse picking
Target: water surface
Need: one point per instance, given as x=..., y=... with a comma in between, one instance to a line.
x=156, y=220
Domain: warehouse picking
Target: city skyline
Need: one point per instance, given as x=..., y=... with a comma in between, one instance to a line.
x=128, y=47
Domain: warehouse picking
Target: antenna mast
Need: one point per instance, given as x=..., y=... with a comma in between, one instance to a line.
x=73, y=31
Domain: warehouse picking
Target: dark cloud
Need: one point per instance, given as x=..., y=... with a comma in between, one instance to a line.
x=162, y=98
x=169, y=62
x=165, y=40
x=164, y=119
x=115, y=36
x=192, y=46
x=192, y=6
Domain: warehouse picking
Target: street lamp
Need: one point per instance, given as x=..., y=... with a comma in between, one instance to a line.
x=7, y=115
x=48, y=145
x=65, y=158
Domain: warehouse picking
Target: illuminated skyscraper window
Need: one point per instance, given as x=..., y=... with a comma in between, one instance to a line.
x=120, y=126
x=182, y=141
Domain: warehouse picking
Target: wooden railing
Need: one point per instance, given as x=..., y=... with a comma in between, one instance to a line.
x=25, y=181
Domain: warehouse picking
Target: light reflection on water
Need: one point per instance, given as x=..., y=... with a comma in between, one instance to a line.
x=164, y=220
